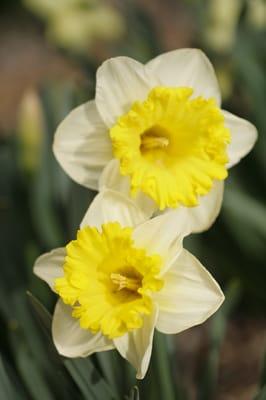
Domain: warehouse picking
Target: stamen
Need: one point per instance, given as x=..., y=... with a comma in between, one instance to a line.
x=149, y=142
x=123, y=282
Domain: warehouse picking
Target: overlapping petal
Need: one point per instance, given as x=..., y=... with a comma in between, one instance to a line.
x=243, y=137
x=163, y=235
x=49, y=266
x=112, y=179
x=201, y=217
x=110, y=205
x=186, y=67
x=120, y=82
x=82, y=145
x=72, y=341
x=190, y=295
x=136, y=346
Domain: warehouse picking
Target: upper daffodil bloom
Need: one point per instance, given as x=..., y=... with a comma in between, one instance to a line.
x=156, y=132
x=123, y=277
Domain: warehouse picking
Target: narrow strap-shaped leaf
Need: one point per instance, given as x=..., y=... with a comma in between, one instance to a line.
x=262, y=394
x=91, y=383
x=217, y=332
x=88, y=379
x=163, y=366
x=134, y=394
x=41, y=312
x=263, y=372
x=110, y=365
x=30, y=371
x=7, y=388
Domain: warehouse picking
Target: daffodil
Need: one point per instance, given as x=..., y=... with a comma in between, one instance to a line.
x=77, y=24
x=157, y=133
x=221, y=27
x=122, y=278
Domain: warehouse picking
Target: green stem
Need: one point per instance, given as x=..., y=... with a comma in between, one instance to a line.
x=163, y=367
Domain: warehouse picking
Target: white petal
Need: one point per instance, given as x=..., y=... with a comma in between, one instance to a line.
x=186, y=67
x=82, y=145
x=244, y=136
x=190, y=295
x=163, y=235
x=112, y=206
x=201, y=217
x=136, y=346
x=204, y=215
x=112, y=179
x=70, y=339
x=49, y=266
x=120, y=82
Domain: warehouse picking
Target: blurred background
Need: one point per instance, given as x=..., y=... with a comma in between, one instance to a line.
x=49, y=53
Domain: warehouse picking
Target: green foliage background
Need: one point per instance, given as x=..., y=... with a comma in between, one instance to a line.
x=40, y=208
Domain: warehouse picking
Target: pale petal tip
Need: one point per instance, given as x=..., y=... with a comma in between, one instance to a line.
x=243, y=137
x=140, y=375
x=217, y=302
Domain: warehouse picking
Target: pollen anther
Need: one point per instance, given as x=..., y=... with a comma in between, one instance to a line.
x=124, y=282
x=153, y=142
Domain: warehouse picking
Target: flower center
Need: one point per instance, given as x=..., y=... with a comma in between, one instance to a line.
x=125, y=282
x=172, y=146
x=108, y=281
x=154, y=138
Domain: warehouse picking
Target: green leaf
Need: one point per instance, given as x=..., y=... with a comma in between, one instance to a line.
x=91, y=383
x=263, y=372
x=60, y=377
x=7, y=387
x=241, y=210
x=42, y=314
x=134, y=394
x=164, y=375
x=85, y=374
x=262, y=394
x=30, y=370
x=110, y=365
x=217, y=332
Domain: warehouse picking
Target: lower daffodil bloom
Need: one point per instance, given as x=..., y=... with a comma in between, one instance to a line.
x=122, y=278
x=158, y=133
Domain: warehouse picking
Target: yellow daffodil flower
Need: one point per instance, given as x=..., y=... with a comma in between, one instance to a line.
x=157, y=133
x=122, y=278
x=77, y=24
